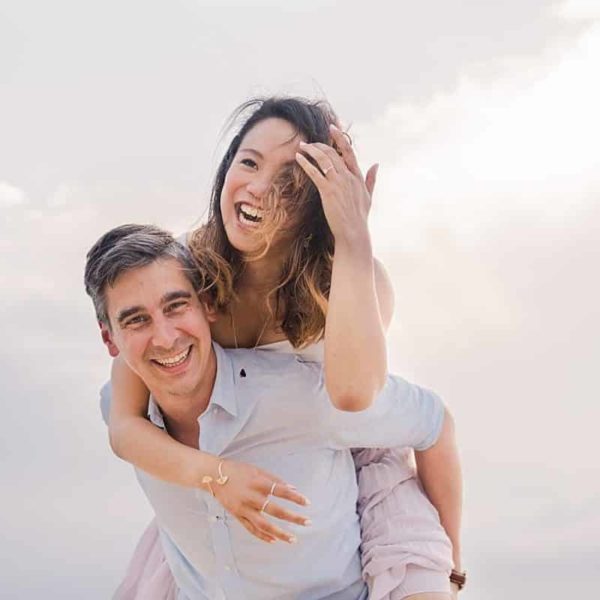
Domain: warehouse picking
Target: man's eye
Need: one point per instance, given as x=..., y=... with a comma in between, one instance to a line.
x=134, y=321
x=175, y=306
x=248, y=162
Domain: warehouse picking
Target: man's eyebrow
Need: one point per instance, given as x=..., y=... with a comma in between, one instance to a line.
x=127, y=312
x=168, y=297
x=175, y=295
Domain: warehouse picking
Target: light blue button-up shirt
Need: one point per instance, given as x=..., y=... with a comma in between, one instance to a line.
x=271, y=409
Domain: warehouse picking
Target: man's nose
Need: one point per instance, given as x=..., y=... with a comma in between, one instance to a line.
x=164, y=334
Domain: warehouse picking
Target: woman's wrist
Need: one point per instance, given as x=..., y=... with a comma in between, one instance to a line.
x=356, y=244
x=206, y=464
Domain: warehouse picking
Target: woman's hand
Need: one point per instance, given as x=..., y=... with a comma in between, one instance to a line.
x=247, y=494
x=345, y=195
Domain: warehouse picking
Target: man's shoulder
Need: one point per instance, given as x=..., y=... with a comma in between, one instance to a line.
x=267, y=363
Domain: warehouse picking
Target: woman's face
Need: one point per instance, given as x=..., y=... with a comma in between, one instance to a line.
x=268, y=147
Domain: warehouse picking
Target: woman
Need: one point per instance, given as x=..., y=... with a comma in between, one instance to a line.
x=276, y=232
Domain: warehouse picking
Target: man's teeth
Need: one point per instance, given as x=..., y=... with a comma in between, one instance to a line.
x=251, y=213
x=174, y=360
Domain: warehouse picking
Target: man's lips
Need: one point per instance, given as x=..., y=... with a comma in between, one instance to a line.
x=173, y=361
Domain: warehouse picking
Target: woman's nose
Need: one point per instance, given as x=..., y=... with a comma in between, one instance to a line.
x=258, y=187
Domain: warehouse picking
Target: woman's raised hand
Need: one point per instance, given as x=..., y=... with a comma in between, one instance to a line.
x=247, y=492
x=345, y=194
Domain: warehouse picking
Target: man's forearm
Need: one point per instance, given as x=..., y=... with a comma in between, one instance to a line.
x=440, y=473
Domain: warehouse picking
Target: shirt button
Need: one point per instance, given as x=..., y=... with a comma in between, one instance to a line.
x=214, y=519
x=227, y=568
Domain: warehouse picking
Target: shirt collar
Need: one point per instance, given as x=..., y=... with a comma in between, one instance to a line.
x=223, y=393
x=224, y=389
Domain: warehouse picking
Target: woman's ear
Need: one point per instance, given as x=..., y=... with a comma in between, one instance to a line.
x=107, y=340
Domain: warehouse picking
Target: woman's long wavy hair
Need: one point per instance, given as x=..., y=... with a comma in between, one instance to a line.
x=292, y=208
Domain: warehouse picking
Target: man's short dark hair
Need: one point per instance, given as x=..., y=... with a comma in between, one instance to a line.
x=130, y=247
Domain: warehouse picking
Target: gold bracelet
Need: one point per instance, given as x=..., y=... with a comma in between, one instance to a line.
x=221, y=480
x=207, y=480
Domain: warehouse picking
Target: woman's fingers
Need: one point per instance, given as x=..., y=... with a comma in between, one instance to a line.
x=336, y=160
x=371, y=178
x=270, y=529
x=342, y=143
x=313, y=172
x=274, y=510
x=261, y=535
x=324, y=156
x=282, y=490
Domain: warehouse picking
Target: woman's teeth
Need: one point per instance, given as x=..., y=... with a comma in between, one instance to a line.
x=250, y=214
x=174, y=360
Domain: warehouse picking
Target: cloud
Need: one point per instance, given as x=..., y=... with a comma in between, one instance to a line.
x=486, y=213
x=520, y=144
x=578, y=9
x=11, y=195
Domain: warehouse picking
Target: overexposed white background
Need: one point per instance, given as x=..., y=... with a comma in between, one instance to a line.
x=484, y=117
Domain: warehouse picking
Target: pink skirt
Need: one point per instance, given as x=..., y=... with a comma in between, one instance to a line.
x=405, y=550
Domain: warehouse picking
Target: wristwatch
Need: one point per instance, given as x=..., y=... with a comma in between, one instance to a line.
x=459, y=578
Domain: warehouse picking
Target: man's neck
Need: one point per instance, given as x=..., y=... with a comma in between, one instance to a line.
x=181, y=411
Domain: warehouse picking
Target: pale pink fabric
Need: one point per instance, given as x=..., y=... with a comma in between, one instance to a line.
x=148, y=575
x=404, y=548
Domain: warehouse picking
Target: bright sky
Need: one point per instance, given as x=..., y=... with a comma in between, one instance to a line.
x=484, y=119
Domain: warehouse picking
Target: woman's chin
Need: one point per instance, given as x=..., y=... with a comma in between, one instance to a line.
x=243, y=242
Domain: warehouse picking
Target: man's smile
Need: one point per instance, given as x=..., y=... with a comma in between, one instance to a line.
x=172, y=362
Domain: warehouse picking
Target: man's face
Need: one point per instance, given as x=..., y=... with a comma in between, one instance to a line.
x=160, y=327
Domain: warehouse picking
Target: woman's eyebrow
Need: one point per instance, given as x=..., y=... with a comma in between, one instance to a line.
x=252, y=151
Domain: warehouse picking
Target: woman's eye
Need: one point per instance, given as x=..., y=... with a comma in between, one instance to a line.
x=248, y=162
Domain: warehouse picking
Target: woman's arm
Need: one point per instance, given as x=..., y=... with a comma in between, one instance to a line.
x=360, y=297
x=361, y=304
x=134, y=439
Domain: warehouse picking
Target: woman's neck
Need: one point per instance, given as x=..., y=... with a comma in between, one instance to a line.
x=260, y=276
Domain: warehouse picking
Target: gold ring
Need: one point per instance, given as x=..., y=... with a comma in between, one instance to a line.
x=264, y=506
x=273, y=488
x=325, y=171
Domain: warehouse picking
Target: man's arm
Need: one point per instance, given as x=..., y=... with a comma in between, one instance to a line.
x=440, y=473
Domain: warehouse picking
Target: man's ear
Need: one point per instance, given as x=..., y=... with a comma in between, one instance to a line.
x=209, y=310
x=107, y=340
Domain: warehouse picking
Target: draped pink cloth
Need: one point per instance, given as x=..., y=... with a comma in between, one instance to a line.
x=148, y=575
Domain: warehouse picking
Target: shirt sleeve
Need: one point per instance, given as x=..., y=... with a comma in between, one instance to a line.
x=105, y=400
x=403, y=415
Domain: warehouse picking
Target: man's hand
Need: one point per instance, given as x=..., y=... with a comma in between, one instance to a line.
x=247, y=495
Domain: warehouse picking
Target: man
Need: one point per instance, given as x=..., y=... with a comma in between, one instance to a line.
x=267, y=409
